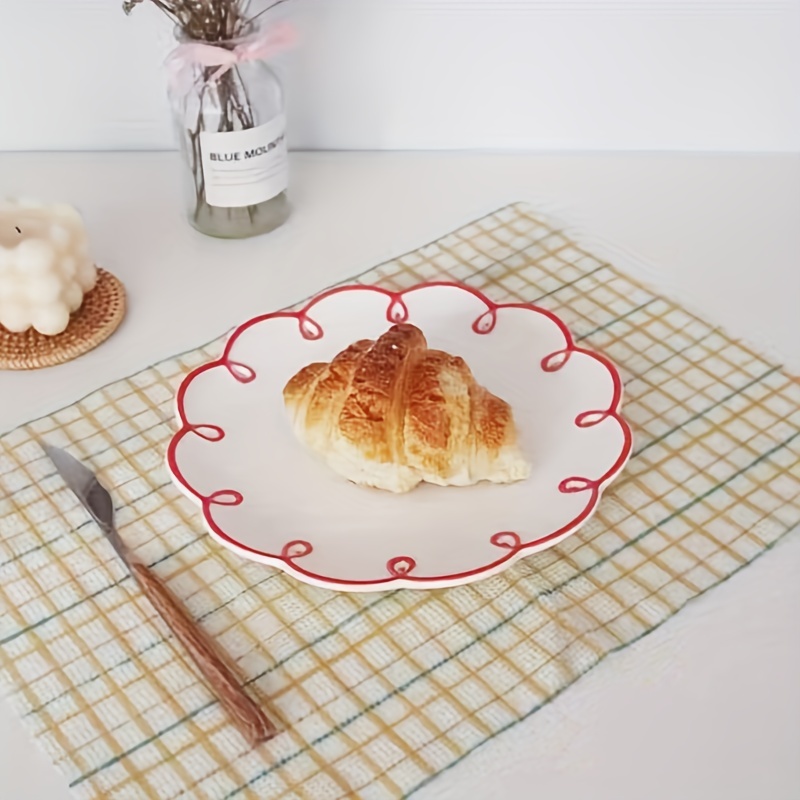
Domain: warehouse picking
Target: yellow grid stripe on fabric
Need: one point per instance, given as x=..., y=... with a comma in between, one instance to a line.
x=378, y=693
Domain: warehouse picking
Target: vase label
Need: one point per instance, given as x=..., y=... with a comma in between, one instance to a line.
x=244, y=168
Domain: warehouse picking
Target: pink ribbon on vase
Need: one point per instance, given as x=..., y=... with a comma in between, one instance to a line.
x=184, y=57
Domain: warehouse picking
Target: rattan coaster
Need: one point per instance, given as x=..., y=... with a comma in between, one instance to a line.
x=100, y=315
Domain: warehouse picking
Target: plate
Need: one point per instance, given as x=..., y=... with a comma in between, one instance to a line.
x=268, y=498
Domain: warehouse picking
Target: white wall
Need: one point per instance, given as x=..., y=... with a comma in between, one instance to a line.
x=582, y=74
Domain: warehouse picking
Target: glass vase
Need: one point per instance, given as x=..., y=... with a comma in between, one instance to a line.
x=231, y=127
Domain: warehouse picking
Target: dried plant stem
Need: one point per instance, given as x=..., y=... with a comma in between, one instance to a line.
x=232, y=103
x=207, y=20
x=265, y=10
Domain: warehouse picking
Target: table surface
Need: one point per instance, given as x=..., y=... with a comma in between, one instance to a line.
x=706, y=706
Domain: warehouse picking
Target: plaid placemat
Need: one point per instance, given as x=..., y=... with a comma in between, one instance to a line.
x=378, y=693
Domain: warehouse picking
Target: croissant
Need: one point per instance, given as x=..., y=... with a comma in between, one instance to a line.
x=391, y=413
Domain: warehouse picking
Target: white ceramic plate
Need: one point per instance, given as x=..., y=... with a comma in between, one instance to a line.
x=269, y=499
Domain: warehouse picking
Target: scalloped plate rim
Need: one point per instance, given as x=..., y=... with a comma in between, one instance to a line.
x=392, y=582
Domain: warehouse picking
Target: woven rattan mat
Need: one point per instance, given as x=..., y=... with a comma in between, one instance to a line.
x=100, y=315
x=379, y=693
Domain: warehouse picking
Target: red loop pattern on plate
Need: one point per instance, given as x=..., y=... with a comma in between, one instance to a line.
x=400, y=566
x=554, y=361
x=589, y=419
x=308, y=328
x=397, y=311
x=507, y=539
x=485, y=322
x=225, y=497
x=241, y=372
x=577, y=484
x=296, y=549
x=211, y=433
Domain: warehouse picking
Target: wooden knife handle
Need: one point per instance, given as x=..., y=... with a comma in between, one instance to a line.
x=249, y=719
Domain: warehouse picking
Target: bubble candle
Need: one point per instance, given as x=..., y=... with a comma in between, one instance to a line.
x=45, y=268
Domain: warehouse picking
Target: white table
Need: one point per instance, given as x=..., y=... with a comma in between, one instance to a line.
x=708, y=706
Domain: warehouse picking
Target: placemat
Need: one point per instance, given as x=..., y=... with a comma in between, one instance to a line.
x=378, y=693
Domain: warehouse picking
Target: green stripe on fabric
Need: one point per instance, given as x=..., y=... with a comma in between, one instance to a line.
x=12, y=636
x=568, y=284
x=78, y=527
x=138, y=653
x=705, y=411
x=615, y=320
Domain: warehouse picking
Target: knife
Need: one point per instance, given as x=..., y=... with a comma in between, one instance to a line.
x=248, y=718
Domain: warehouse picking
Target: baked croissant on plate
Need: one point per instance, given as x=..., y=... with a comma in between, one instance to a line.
x=391, y=413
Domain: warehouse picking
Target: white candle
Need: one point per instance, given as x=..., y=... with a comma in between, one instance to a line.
x=45, y=268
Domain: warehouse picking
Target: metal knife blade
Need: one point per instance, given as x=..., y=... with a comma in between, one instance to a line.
x=93, y=495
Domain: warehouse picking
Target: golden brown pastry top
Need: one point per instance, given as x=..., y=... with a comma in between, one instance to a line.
x=394, y=401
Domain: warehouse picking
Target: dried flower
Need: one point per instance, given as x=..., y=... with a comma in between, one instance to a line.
x=206, y=20
x=129, y=5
